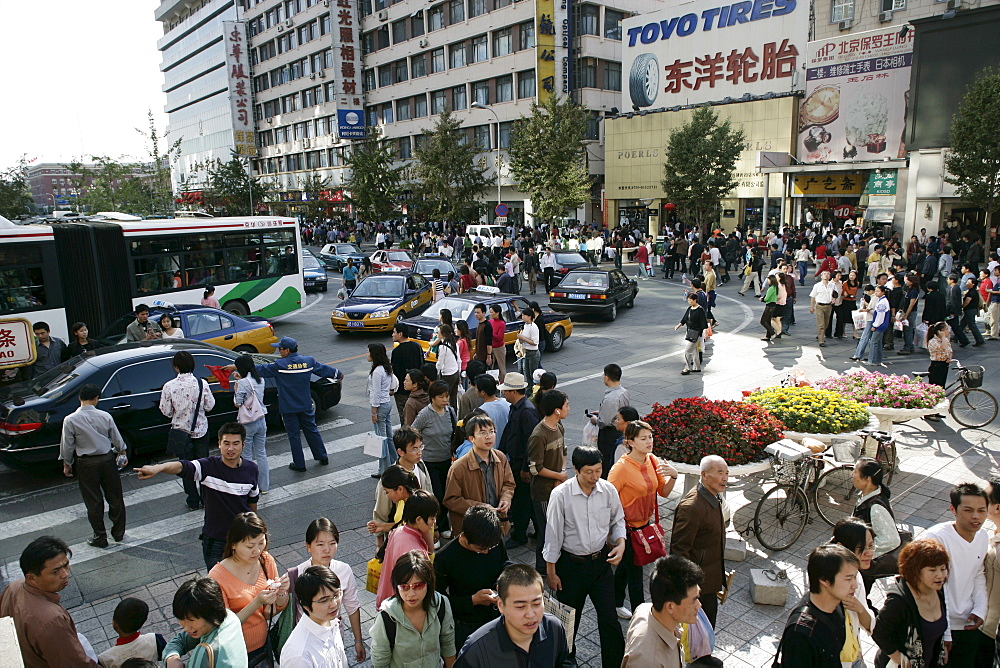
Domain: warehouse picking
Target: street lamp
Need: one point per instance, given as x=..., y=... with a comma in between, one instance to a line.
x=478, y=105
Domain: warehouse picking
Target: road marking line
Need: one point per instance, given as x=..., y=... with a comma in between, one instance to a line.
x=319, y=298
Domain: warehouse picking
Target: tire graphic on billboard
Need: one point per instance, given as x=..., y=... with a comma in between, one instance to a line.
x=644, y=80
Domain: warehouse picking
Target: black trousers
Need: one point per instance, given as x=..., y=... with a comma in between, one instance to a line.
x=548, y=278
x=967, y=650
x=197, y=449
x=938, y=373
x=521, y=509
x=100, y=482
x=607, y=443
x=438, y=472
x=710, y=604
x=628, y=575
x=593, y=578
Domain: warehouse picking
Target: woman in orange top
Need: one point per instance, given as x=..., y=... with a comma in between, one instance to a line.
x=251, y=586
x=639, y=477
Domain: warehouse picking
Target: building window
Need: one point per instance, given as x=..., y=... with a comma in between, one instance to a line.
x=403, y=150
x=586, y=72
x=387, y=112
x=309, y=97
x=503, y=42
x=589, y=16
x=321, y=127
x=505, y=128
x=893, y=5
x=613, y=23
x=505, y=88
x=526, y=84
x=437, y=60
x=419, y=106
x=843, y=10
x=456, y=11
x=459, y=97
x=477, y=8
x=399, y=32
x=503, y=3
x=324, y=24
x=481, y=92
x=372, y=116
x=438, y=101
x=614, y=76
x=417, y=24
x=385, y=76
x=418, y=66
x=593, y=127
x=481, y=137
x=399, y=71
x=527, y=35
x=435, y=18
x=479, y=49
x=369, y=79
x=456, y=53
x=403, y=110
x=419, y=141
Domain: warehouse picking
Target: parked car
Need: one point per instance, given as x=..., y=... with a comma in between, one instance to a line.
x=425, y=266
x=244, y=334
x=394, y=259
x=313, y=272
x=334, y=256
x=131, y=377
x=559, y=326
x=594, y=291
x=380, y=301
x=567, y=261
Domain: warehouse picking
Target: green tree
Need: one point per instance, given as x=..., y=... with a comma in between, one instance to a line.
x=156, y=172
x=111, y=185
x=547, y=158
x=15, y=197
x=974, y=159
x=374, y=183
x=232, y=188
x=448, y=180
x=701, y=158
x=313, y=186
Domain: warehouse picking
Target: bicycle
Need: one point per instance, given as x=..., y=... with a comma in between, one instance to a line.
x=969, y=403
x=801, y=477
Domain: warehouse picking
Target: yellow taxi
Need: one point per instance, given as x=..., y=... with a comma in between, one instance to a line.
x=380, y=301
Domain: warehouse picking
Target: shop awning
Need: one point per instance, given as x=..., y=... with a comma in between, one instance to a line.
x=835, y=167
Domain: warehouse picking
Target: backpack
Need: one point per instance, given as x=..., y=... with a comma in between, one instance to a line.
x=390, y=625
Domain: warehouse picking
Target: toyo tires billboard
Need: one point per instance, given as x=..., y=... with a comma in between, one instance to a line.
x=703, y=51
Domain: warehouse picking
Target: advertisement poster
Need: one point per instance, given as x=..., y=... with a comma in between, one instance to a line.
x=238, y=73
x=347, y=64
x=703, y=51
x=857, y=93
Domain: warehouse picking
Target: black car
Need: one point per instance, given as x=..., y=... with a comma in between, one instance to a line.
x=425, y=266
x=130, y=377
x=594, y=291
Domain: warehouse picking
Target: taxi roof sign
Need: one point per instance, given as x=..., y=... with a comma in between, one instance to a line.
x=488, y=289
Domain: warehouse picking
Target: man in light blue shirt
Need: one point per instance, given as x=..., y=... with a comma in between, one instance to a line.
x=495, y=406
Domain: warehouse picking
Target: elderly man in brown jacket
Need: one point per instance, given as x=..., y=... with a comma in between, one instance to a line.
x=482, y=476
x=699, y=533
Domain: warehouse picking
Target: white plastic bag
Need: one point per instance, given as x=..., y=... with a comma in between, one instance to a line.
x=920, y=335
x=590, y=434
x=373, y=444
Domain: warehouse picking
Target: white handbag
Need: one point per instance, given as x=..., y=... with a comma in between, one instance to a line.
x=373, y=444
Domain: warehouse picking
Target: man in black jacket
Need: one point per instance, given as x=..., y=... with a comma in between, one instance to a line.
x=953, y=305
x=934, y=307
x=895, y=296
x=405, y=356
x=514, y=443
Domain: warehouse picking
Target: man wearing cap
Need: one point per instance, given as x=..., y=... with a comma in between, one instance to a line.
x=513, y=442
x=292, y=373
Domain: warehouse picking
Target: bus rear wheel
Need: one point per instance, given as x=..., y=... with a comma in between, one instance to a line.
x=236, y=307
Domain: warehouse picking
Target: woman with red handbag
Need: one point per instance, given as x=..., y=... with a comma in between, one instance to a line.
x=639, y=477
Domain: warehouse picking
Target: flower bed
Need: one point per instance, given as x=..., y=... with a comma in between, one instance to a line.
x=884, y=391
x=810, y=410
x=689, y=428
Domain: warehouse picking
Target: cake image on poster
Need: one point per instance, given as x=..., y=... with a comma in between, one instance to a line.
x=865, y=120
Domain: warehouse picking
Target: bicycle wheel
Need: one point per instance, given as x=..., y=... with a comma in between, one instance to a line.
x=973, y=407
x=780, y=517
x=835, y=494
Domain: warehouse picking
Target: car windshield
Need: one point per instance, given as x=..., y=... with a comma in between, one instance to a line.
x=570, y=258
x=585, y=279
x=428, y=266
x=309, y=261
x=52, y=381
x=399, y=256
x=346, y=249
x=380, y=286
x=460, y=309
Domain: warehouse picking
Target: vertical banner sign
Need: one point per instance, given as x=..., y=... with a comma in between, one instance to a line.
x=857, y=94
x=545, y=48
x=347, y=61
x=704, y=51
x=565, y=17
x=238, y=70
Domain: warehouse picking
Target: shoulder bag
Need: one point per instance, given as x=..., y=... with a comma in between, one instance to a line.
x=178, y=440
x=647, y=542
x=251, y=410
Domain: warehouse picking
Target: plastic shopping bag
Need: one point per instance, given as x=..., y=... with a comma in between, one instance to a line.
x=373, y=444
x=374, y=575
x=920, y=335
x=590, y=434
x=698, y=639
x=565, y=614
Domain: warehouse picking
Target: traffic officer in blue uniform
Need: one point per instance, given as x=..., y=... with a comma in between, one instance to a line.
x=292, y=373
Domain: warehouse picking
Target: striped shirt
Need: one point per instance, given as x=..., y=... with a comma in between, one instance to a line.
x=225, y=491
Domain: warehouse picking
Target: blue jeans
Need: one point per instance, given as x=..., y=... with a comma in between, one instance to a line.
x=875, y=352
x=254, y=446
x=866, y=336
x=908, y=330
x=306, y=421
x=383, y=427
x=788, y=317
x=532, y=360
x=969, y=320
x=803, y=270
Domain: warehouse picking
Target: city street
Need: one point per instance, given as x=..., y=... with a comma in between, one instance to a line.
x=161, y=548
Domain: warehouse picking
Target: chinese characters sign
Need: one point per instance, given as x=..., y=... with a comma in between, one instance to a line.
x=545, y=48
x=857, y=91
x=698, y=51
x=238, y=72
x=17, y=343
x=828, y=184
x=347, y=65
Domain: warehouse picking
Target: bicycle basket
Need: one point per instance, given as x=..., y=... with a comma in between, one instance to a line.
x=847, y=451
x=784, y=472
x=974, y=377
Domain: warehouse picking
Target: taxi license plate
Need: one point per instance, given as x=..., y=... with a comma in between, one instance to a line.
x=578, y=296
x=355, y=323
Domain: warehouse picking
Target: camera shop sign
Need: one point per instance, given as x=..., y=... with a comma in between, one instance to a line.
x=701, y=51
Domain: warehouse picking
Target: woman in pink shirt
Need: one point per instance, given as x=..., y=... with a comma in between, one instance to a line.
x=208, y=298
x=464, y=346
x=499, y=347
x=419, y=519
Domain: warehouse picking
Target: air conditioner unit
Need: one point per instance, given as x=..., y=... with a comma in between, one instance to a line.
x=845, y=25
x=281, y=28
x=383, y=15
x=288, y=23
x=423, y=43
x=312, y=76
x=270, y=120
x=954, y=4
x=321, y=74
x=326, y=3
x=305, y=143
x=884, y=17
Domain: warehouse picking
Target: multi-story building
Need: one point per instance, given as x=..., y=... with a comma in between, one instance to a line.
x=52, y=185
x=418, y=58
x=196, y=85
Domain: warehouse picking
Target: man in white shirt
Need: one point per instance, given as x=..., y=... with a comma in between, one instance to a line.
x=584, y=517
x=965, y=590
x=821, y=303
x=548, y=264
x=315, y=641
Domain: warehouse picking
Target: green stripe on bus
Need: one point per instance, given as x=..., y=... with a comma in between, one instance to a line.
x=248, y=290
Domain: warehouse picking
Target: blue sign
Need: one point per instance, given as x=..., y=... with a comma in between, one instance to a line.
x=62, y=201
x=501, y=210
x=351, y=123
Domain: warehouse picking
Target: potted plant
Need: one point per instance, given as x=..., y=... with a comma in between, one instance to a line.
x=811, y=412
x=889, y=398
